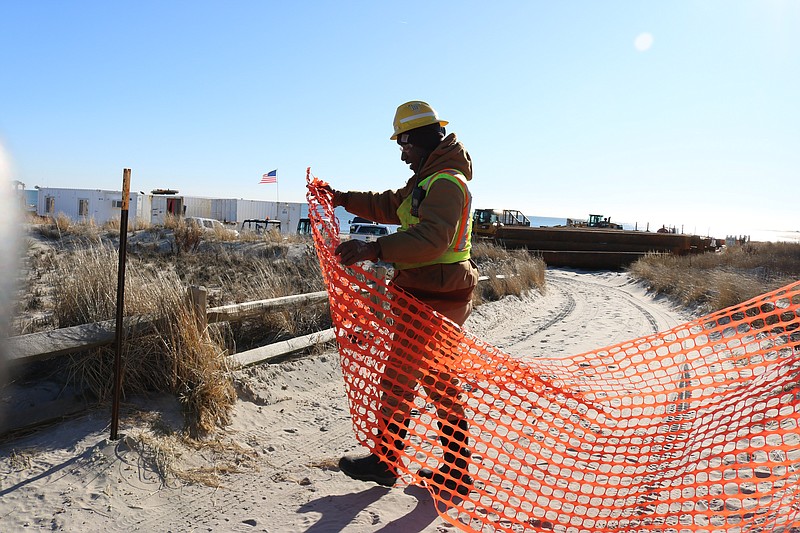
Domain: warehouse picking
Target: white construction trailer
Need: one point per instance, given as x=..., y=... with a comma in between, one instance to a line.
x=162, y=205
x=145, y=209
x=238, y=210
x=188, y=206
x=290, y=213
x=83, y=205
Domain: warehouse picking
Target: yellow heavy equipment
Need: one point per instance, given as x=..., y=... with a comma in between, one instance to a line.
x=595, y=221
x=486, y=221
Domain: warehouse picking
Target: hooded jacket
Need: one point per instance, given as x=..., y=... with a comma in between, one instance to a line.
x=445, y=287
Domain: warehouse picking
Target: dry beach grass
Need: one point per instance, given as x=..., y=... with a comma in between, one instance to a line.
x=714, y=281
x=72, y=279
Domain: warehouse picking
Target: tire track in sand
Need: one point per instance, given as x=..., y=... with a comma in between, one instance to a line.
x=579, y=312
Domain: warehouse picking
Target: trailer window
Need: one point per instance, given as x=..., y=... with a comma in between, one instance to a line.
x=83, y=207
x=50, y=204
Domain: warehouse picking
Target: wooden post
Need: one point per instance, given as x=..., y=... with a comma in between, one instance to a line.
x=198, y=300
x=123, y=245
x=380, y=273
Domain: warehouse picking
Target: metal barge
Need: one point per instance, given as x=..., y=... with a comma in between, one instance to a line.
x=596, y=245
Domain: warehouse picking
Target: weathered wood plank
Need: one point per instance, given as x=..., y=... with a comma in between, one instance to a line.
x=55, y=343
x=232, y=312
x=63, y=341
x=264, y=354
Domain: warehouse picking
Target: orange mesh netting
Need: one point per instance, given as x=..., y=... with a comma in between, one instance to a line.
x=692, y=429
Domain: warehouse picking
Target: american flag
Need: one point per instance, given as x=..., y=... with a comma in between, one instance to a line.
x=270, y=177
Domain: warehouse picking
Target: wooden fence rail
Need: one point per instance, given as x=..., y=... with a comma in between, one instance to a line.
x=24, y=349
x=64, y=341
x=234, y=312
x=49, y=344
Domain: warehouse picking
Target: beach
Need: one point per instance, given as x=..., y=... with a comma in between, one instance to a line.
x=274, y=469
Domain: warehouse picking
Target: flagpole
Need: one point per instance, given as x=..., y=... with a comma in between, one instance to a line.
x=272, y=177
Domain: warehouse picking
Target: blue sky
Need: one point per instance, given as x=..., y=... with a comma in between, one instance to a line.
x=564, y=115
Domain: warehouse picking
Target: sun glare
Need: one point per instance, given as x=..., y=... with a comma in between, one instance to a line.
x=5, y=164
x=9, y=223
x=643, y=41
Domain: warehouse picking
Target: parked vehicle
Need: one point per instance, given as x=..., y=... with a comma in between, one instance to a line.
x=259, y=226
x=486, y=221
x=367, y=232
x=211, y=224
x=595, y=221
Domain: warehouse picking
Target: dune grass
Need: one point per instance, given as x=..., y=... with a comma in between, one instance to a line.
x=77, y=283
x=171, y=355
x=714, y=281
x=73, y=281
x=518, y=272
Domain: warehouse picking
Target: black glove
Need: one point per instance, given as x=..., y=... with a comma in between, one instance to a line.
x=336, y=196
x=353, y=251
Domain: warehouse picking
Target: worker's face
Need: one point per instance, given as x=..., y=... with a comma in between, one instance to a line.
x=411, y=155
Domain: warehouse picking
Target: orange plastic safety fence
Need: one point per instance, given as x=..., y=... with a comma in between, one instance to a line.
x=694, y=429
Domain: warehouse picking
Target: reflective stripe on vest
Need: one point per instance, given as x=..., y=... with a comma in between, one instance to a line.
x=459, y=249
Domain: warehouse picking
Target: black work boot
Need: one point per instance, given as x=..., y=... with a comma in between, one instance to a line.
x=448, y=480
x=452, y=474
x=368, y=468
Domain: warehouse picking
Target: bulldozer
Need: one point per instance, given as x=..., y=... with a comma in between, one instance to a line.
x=486, y=221
x=595, y=221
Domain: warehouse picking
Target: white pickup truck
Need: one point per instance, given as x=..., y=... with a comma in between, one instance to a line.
x=211, y=224
x=367, y=232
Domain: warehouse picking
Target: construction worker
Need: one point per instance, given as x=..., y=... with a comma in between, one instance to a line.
x=431, y=255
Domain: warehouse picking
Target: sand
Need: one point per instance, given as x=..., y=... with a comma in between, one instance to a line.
x=275, y=465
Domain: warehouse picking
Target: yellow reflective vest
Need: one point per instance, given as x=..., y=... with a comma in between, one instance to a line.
x=461, y=244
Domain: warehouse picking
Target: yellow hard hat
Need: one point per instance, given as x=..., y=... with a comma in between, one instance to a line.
x=414, y=114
